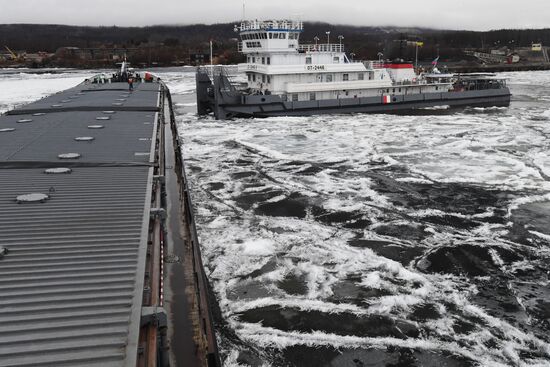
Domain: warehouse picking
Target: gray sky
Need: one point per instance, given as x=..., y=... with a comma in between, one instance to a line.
x=456, y=14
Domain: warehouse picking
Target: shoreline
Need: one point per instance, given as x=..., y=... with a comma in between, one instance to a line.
x=499, y=68
x=445, y=67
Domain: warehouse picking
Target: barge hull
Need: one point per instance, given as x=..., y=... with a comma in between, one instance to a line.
x=93, y=201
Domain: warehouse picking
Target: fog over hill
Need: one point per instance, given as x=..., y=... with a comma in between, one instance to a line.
x=464, y=14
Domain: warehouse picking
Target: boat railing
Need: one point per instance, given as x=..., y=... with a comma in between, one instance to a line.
x=373, y=64
x=226, y=75
x=322, y=47
x=478, y=84
x=272, y=24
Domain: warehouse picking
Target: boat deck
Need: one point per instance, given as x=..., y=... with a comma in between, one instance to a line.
x=73, y=269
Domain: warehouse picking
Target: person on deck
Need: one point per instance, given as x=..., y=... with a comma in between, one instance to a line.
x=130, y=83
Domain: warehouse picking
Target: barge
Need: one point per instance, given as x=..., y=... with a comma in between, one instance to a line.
x=100, y=263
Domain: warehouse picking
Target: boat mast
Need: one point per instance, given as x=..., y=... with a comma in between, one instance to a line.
x=211, y=62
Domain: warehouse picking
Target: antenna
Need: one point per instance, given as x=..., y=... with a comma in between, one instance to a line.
x=244, y=12
x=296, y=16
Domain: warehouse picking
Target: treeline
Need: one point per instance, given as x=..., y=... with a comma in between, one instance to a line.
x=43, y=37
x=178, y=41
x=367, y=42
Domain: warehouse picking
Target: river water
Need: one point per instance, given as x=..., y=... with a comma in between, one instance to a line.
x=370, y=240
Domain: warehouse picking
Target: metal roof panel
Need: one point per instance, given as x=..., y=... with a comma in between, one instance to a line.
x=71, y=282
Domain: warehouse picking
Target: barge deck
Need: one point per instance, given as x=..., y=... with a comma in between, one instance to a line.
x=93, y=201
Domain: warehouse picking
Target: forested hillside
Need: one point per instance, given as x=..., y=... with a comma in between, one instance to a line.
x=364, y=42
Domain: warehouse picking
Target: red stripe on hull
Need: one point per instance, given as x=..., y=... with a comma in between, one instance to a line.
x=398, y=66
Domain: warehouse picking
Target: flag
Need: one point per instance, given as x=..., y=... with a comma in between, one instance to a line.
x=434, y=63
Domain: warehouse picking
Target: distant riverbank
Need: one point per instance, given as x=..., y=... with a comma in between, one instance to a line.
x=497, y=68
x=444, y=67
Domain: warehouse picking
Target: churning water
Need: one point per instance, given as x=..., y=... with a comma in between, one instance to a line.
x=375, y=240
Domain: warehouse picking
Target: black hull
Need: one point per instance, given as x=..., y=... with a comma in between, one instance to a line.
x=492, y=101
x=227, y=103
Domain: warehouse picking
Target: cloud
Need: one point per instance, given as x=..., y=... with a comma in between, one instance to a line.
x=457, y=14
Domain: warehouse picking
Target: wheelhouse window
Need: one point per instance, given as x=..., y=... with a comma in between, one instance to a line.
x=345, y=77
x=270, y=35
x=312, y=96
x=263, y=78
x=253, y=77
x=295, y=97
x=268, y=60
x=263, y=60
x=249, y=77
x=360, y=76
x=308, y=59
x=329, y=78
x=268, y=79
x=336, y=59
x=282, y=36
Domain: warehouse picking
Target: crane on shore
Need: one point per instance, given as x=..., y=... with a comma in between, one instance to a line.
x=14, y=56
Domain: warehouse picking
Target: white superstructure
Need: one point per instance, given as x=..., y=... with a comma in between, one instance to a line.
x=276, y=63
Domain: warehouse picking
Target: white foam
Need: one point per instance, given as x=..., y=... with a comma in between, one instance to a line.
x=516, y=203
x=260, y=247
x=541, y=235
x=276, y=199
x=300, y=303
x=372, y=280
x=435, y=108
x=270, y=337
x=265, y=151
